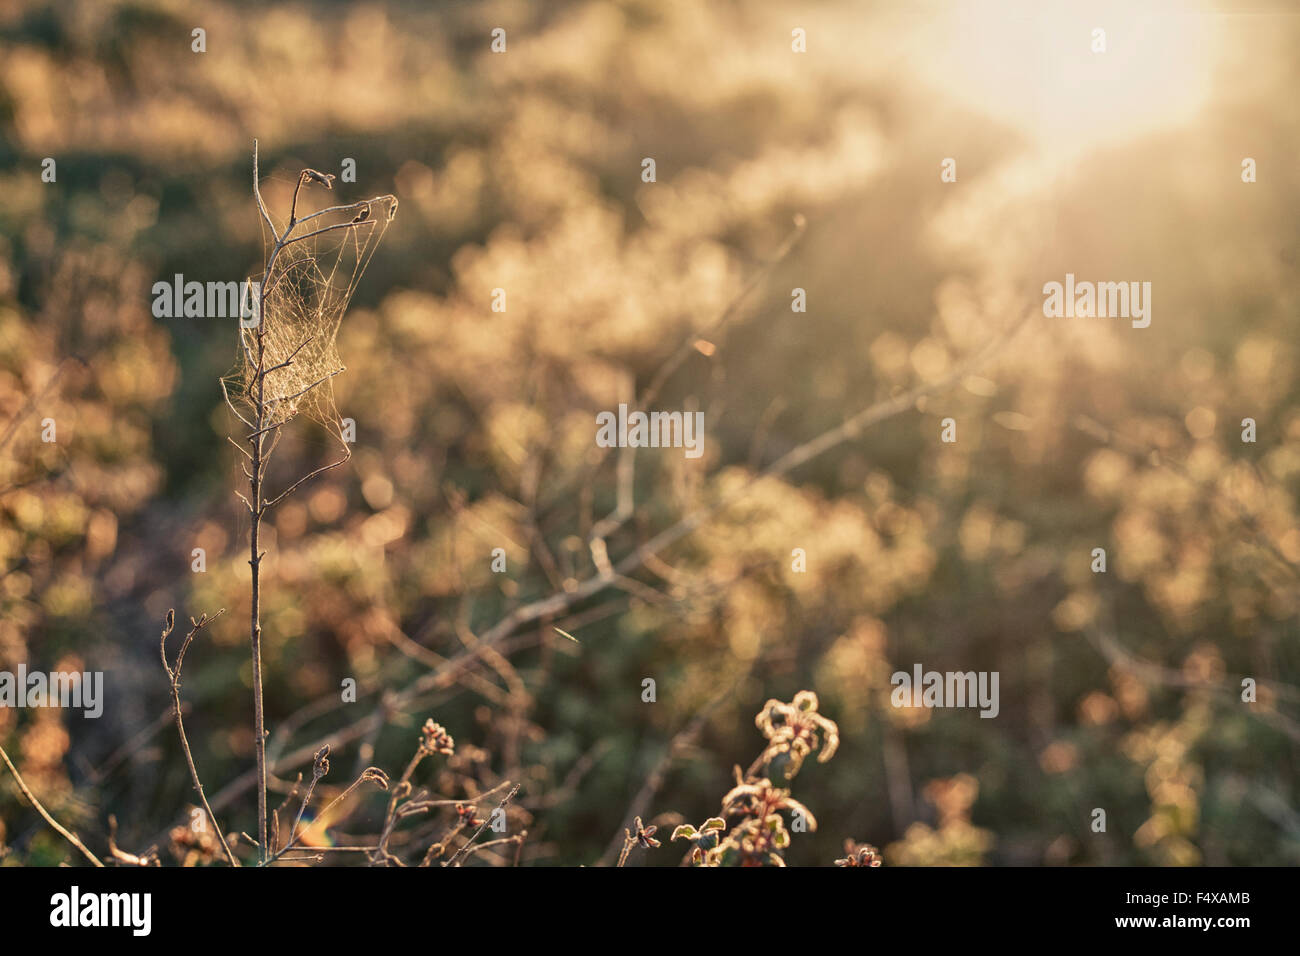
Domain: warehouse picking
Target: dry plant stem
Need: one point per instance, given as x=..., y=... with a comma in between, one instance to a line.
x=456, y=857
x=400, y=789
x=258, y=452
x=416, y=806
x=275, y=814
x=148, y=858
x=174, y=676
x=255, y=623
x=255, y=512
x=439, y=847
x=629, y=841
x=518, y=841
x=31, y=798
x=296, y=836
x=302, y=808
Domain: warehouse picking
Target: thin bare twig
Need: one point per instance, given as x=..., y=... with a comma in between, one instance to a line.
x=305, y=478
x=58, y=827
x=174, y=677
x=455, y=858
x=370, y=773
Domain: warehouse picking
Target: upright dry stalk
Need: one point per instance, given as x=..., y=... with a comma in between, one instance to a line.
x=256, y=440
x=174, y=678
x=286, y=325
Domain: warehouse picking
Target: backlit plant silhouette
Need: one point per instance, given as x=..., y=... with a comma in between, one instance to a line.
x=287, y=363
x=750, y=829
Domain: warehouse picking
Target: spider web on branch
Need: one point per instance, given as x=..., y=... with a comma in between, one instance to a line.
x=306, y=294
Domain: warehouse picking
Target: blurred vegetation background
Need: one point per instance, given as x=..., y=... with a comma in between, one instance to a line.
x=475, y=429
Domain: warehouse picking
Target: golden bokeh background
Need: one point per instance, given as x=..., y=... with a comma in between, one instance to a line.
x=522, y=171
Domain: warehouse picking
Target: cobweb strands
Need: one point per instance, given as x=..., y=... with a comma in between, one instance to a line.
x=314, y=263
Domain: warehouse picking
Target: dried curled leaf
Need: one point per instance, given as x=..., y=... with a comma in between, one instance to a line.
x=324, y=179
x=795, y=730
x=374, y=774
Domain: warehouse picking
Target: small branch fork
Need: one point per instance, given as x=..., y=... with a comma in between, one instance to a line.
x=464, y=850
x=320, y=767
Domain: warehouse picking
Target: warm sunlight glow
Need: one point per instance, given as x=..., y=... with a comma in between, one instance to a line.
x=1155, y=71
